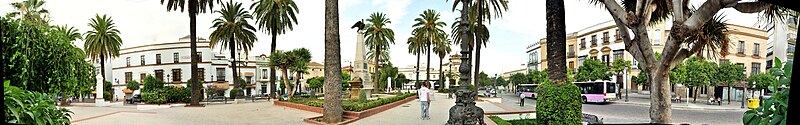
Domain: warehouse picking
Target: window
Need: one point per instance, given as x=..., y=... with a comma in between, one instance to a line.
x=618, y=54
x=755, y=69
x=634, y=64
x=755, y=49
x=723, y=61
x=199, y=56
x=142, y=59
x=176, y=75
x=605, y=37
x=220, y=74
x=769, y=51
x=580, y=60
x=175, y=57
x=248, y=79
x=571, y=51
x=657, y=37
x=583, y=43
x=160, y=74
x=618, y=35
x=201, y=74
x=607, y=60
x=128, y=77
x=594, y=40
x=128, y=61
x=741, y=47
x=769, y=64
x=264, y=73
x=158, y=58
x=142, y=76
x=571, y=65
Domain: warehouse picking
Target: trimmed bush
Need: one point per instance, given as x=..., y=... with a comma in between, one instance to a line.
x=236, y=93
x=28, y=107
x=151, y=83
x=107, y=96
x=443, y=90
x=558, y=104
x=132, y=85
x=157, y=96
x=499, y=120
x=175, y=94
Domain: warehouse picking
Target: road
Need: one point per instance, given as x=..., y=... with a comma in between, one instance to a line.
x=633, y=113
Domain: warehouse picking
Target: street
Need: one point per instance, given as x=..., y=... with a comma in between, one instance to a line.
x=619, y=112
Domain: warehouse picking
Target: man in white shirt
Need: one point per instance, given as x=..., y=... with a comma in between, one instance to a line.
x=521, y=99
x=424, y=98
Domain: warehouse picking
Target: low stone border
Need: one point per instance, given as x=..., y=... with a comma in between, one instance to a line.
x=158, y=106
x=348, y=114
x=346, y=120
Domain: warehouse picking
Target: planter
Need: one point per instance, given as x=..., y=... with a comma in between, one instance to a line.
x=351, y=114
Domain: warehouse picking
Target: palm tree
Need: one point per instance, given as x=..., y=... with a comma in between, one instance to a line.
x=300, y=58
x=102, y=41
x=429, y=29
x=378, y=36
x=30, y=10
x=482, y=8
x=384, y=56
x=442, y=49
x=416, y=47
x=70, y=33
x=231, y=30
x=195, y=7
x=332, y=112
x=275, y=16
x=456, y=31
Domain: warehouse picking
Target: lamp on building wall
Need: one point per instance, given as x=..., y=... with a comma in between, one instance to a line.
x=167, y=77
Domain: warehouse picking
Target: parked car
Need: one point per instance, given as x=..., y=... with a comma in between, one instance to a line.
x=134, y=99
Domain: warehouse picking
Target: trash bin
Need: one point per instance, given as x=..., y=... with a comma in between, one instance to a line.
x=752, y=103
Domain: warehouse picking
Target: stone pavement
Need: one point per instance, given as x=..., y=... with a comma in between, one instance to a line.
x=409, y=113
x=253, y=113
x=701, y=104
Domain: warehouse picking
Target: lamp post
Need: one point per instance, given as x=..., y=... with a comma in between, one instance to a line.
x=465, y=112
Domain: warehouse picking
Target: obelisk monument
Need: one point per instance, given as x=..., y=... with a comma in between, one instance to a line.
x=360, y=68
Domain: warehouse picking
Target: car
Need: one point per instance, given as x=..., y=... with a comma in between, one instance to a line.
x=134, y=99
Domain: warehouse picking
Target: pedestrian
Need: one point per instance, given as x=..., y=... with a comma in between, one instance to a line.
x=424, y=99
x=521, y=99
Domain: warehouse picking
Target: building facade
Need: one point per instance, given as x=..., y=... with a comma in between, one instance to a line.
x=782, y=39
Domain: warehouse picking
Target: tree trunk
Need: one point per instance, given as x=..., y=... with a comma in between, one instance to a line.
x=660, y=106
x=103, y=67
x=694, y=94
x=417, y=71
x=441, y=73
x=195, y=101
x=235, y=80
x=286, y=82
x=556, y=39
x=332, y=108
x=377, y=65
x=477, y=61
x=296, y=85
x=729, y=92
x=428, y=68
x=272, y=78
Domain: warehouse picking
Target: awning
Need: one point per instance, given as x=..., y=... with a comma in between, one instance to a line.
x=220, y=86
x=127, y=91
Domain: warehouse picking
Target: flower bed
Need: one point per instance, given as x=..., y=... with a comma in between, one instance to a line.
x=351, y=105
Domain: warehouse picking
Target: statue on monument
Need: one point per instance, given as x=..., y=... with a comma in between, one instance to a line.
x=360, y=68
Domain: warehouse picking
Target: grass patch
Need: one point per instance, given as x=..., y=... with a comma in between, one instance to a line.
x=350, y=105
x=500, y=121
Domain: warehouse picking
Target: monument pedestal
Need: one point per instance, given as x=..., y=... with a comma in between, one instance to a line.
x=354, y=93
x=368, y=92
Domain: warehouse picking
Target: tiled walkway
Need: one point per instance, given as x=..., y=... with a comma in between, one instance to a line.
x=409, y=113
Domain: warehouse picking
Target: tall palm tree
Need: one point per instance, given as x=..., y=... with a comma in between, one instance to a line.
x=429, y=28
x=482, y=8
x=195, y=7
x=378, y=36
x=300, y=58
x=30, y=10
x=231, y=30
x=456, y=32
x=276, y=17
x=384, y=56
x=332, y=111
x=442, y=49
x=70, y=32
x=416, y=47
x=102, y=41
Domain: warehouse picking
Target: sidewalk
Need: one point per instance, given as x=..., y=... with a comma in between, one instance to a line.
x=409, y=113
x=701, y=104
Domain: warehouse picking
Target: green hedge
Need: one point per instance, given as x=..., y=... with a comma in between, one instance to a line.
x=107, y=96
x=353, y=105
x=499, y=120
x=28, y=107
x=166, y=95
x=558, y=104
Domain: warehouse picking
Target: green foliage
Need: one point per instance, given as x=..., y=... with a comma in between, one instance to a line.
x=27, y=107
x=345, y=79
x=484, y=79
x=774, y=110
x=362, y=95
x=155, y=96
x=728, y=73
x=519, y=78
x=619, y=65
x=107, y=95
x=107, y=86
x=231, y=29
x=694, y=72
x=236, y=93
x=316, y=82
x=558, y=104
x=399, y=81
x=641, y=79
x=386, y=72
x=499, y=120
x=500, y=81
x=443, y=90
x=591, y=70
x=40, y=58
x=132, y=85
x=537, y=77
x=167, y=95
x=761, y=81
x=152, y=83
x=375, y=103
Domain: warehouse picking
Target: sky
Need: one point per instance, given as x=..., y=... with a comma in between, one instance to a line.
x=144, y=22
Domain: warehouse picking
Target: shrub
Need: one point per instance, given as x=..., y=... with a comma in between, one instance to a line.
x=106, y=95
x=151, y=83
x=558, y=104
x=132, y=85
x=443, y=90
x=27, y=107
x=236, y=93
x=522, y=121
x=157, y=96
x=175, y=94
x=374, y=103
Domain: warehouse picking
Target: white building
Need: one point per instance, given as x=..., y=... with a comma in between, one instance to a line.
x=533, y=51
x=171, y=63
x=782, y=40
x=411, y=75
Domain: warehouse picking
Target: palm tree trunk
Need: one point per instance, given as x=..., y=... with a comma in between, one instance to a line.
x=296, y=84
x=195, y=101
x=556, y=49
x=427, y=68
x=103, y=67
x=232, y=46
x=272, y=78
x=417, y=71
x=441, y=72
x=477, y=61
x=332, y=111
x=377, y=57
x=286, y=82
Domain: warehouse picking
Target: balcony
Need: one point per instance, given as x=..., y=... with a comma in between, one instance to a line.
x=571, y=55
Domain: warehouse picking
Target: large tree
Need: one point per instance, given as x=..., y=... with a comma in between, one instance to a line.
x=416, y=47
x=483, y=9
x=729, y=74
x=300, y=58
x=332, y=111
x=519, y=78
x=619, y=67
x=231, y=29
x=442, y=49
x=683, y=41
x=31, y=10
x=102, y=41
x=378, y=36
x=558, y=100
x=591, y=70
x=195, y=7
x=694, y=73
x=275, y=17
x=295, y=60
x=429, y=29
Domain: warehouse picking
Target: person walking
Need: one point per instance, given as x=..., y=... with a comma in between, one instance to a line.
x=424, y=99
x=521, y=99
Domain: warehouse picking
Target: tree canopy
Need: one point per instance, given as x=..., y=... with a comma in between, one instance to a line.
x=591, y=70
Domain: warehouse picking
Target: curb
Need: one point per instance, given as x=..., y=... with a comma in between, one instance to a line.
x=687, y=107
